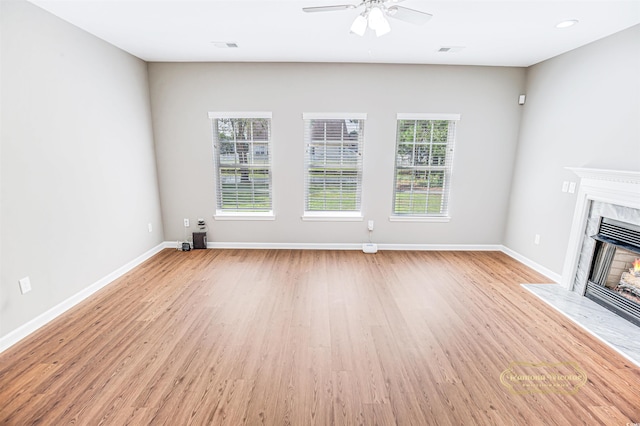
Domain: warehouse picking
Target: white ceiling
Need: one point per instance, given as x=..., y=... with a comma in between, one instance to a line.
x=502, y=33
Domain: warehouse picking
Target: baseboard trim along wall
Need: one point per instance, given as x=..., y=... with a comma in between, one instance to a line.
x=345, y=246
x=418, y=247
x=533, y=265
x=23, y=331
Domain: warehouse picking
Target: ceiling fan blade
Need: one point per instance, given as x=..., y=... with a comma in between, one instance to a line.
x=329, y=8
x=408, y=15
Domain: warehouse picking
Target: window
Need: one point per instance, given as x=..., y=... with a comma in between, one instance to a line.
x=424, y=156
x=333, y=165
x=242, y=155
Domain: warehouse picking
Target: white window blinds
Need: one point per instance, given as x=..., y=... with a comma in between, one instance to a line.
x=242, y=155
x=333, y=163
x=424, y=157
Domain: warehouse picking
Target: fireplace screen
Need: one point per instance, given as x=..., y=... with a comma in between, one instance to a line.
x=614, y=280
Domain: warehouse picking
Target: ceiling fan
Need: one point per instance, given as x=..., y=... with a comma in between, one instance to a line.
x=373, y=15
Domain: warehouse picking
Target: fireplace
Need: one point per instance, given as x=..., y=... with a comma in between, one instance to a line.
x=605, y=240
x=614, y=273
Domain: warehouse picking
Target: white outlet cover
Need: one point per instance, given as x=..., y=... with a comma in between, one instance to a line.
x=370, y=248
x=25, y=285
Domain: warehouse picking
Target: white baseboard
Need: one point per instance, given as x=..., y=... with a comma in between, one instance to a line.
x=24, y=330
x=533, y=265
x=286, y=246
x=440, y=247
x=414, y=247
x=346, y=246
x=274, y=246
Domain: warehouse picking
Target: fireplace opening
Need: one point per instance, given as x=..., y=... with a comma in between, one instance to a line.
x=614, y=277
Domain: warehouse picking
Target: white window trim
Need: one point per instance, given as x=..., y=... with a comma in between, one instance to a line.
x=425, y=218
x=336, y=216
x=240, y=114
x=334, y=115
x=432, y=219
x=331, y=216
x=221, y=215
x=247, y=216
x=428, y=116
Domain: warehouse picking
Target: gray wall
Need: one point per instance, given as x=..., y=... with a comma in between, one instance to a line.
x=79, y=182
x=582, y=110
x=183, y=93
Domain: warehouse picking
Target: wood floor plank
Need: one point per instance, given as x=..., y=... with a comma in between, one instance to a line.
x=276, y=337
x=320, y=397
x=347, y=407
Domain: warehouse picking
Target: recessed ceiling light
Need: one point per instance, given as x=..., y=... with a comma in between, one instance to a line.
x=568, y=23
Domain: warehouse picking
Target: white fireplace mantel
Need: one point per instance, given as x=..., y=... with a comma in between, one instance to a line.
x=609, y=186
x=623, y=176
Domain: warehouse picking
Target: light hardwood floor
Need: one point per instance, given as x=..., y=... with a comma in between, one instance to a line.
x=311, y=337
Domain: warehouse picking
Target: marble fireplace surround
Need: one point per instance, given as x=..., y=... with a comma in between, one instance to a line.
x=608, y=193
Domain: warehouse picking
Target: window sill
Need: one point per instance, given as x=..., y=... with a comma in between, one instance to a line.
x=432, y=219
x=244, y=216
x=332, y=217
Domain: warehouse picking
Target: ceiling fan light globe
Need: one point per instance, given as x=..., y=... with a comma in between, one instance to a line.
x=359, y=25
x=383, y=28
x=376, y=18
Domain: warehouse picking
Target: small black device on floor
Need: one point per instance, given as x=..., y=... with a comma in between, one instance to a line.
x=199, y=240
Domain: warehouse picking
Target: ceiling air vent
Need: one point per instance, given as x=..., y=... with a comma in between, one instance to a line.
x=450, y=49
x=225, y=45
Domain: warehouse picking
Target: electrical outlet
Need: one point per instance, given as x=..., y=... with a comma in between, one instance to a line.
x=25, y=285
x=536, y=240
x=565, y=186
x=572, y=187
x=370, y=225
x=186, y=223
x=150, y=227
